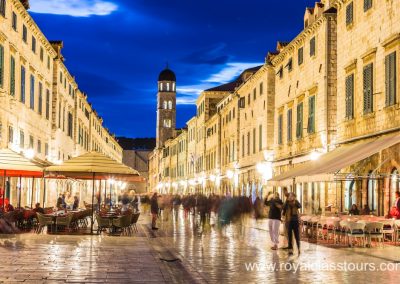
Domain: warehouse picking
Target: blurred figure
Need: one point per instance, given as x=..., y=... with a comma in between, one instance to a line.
x=9, y=207
x=176, y=204
x=291, y=212
x=38, y=209
x=135, y=203
x=154, y=211
x=354, y=210
x=75, y=205
x=257, y=208
x=59, y=202
x=366, y=210
x=275, y=207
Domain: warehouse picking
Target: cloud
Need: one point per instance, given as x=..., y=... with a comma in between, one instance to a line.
x=75, y=8
x=230, y=72
x=188, y=94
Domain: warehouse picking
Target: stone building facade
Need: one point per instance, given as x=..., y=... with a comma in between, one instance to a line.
x=43, y=114
x=330, y=125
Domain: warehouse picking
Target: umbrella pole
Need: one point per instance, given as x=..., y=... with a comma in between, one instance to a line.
x=110, y=197
x=91, y=227
x=20, y=191
x=44, y=190
x=105, y=193
x=33, y=182
x=4, y=188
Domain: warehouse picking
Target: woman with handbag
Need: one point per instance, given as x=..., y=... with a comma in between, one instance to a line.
x=274, y=215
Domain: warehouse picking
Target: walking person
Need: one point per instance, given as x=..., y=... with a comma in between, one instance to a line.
x=275, y=207
x=291, y=212
x=154, y=211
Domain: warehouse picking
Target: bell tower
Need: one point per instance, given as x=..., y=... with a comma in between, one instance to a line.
x=166, y=106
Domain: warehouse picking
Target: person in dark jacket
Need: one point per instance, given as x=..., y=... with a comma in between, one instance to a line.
x=154, y=210
x=354, y=210
x=291, y=212
x=275, y=207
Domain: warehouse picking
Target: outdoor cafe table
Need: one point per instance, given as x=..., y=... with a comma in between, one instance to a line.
x=111, y=215
x=60, y=213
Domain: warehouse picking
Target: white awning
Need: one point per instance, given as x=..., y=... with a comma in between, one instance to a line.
x=325, y=168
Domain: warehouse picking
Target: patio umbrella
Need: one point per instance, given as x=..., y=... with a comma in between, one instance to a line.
x=13, y=164
x=94, y=166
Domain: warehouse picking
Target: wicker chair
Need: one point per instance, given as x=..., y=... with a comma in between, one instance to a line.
x=44, y=221
x=356, y=231
x=65, y=221
x=102, y=223
x=123, y=223
x=135, y=218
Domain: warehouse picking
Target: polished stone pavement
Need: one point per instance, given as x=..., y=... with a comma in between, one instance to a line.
x=184, y=250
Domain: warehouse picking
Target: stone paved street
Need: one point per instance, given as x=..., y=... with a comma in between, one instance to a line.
x=192, y=254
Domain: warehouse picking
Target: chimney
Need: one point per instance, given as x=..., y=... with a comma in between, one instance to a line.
x=25, y=3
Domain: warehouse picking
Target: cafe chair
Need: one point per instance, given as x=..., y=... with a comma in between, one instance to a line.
x=65, y=221
x=388, y=228
x=135, y=218
x=124, y=224
x=102, y=224
x=374, y=230
x=356, y=231
x=43, y=221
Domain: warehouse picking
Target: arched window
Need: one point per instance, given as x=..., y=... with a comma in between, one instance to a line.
x=170, y=104
x=167, y=87
x=173, y=87
x=372, y=194
x=165, y=105
x=350, y=196
x=161, y=86
x=394, y=186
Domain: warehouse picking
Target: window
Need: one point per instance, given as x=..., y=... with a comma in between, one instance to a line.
x=350, y=96
x=261, y=88
x=299, y=122
x=33, y=44
x=41, y=54
x=254, y=94
x=254, y=140
x=300, y=55
x=10, y=134
x=242, y=145
x=311, y=115
x=260, y=140
x=3, y=8
x=242, y=102
x=312, y=46
x=248, y=143
x=23, y=84
x=289, y=65
x=12, y=76
x=248, y=99
x=367, y=5
x=70, y=125
x=390, y=79
x=167, y=123
x=48, y=62
x=39, y=146
x=30, y=142
x=1, y=65
x=280, y=72
x=170, y=104
x=24, y=34
x=368, y=88
x=61, y=77
x=21, y=139
x=32, y=93
x=46, y=149
x=289, y=125
x=349, y=14
x=165, y=105
x=14, y=21
x=280, y=130
x=40, y=98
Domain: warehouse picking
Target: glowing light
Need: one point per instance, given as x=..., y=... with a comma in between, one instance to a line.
x=229, y=174
x=123, y=185
x=315, y=155
x=213, y=178
x=111, y=181
x=265, y=169
x=29, y=153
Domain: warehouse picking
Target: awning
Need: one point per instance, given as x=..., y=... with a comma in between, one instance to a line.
x=325, y=168
x=103, y=167
x=13, y=164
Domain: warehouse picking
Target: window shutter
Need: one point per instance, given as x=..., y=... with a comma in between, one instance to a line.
x=312, y=46
x=367, y=88
x=311, y=115
x=12, y=76
x=367, y=5
x=390, y=79
x=299, y=124
x=300, y=56
x=349, y=96
x=280, y=129
x=349, y=14
x=1, y=65
x=289, y=125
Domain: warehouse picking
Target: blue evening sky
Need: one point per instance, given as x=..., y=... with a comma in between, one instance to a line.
x=116, y=48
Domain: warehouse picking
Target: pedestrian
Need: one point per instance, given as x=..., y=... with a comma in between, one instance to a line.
x=154, y=210
x=275, y=207
x=285, y=221
x=291, y=212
